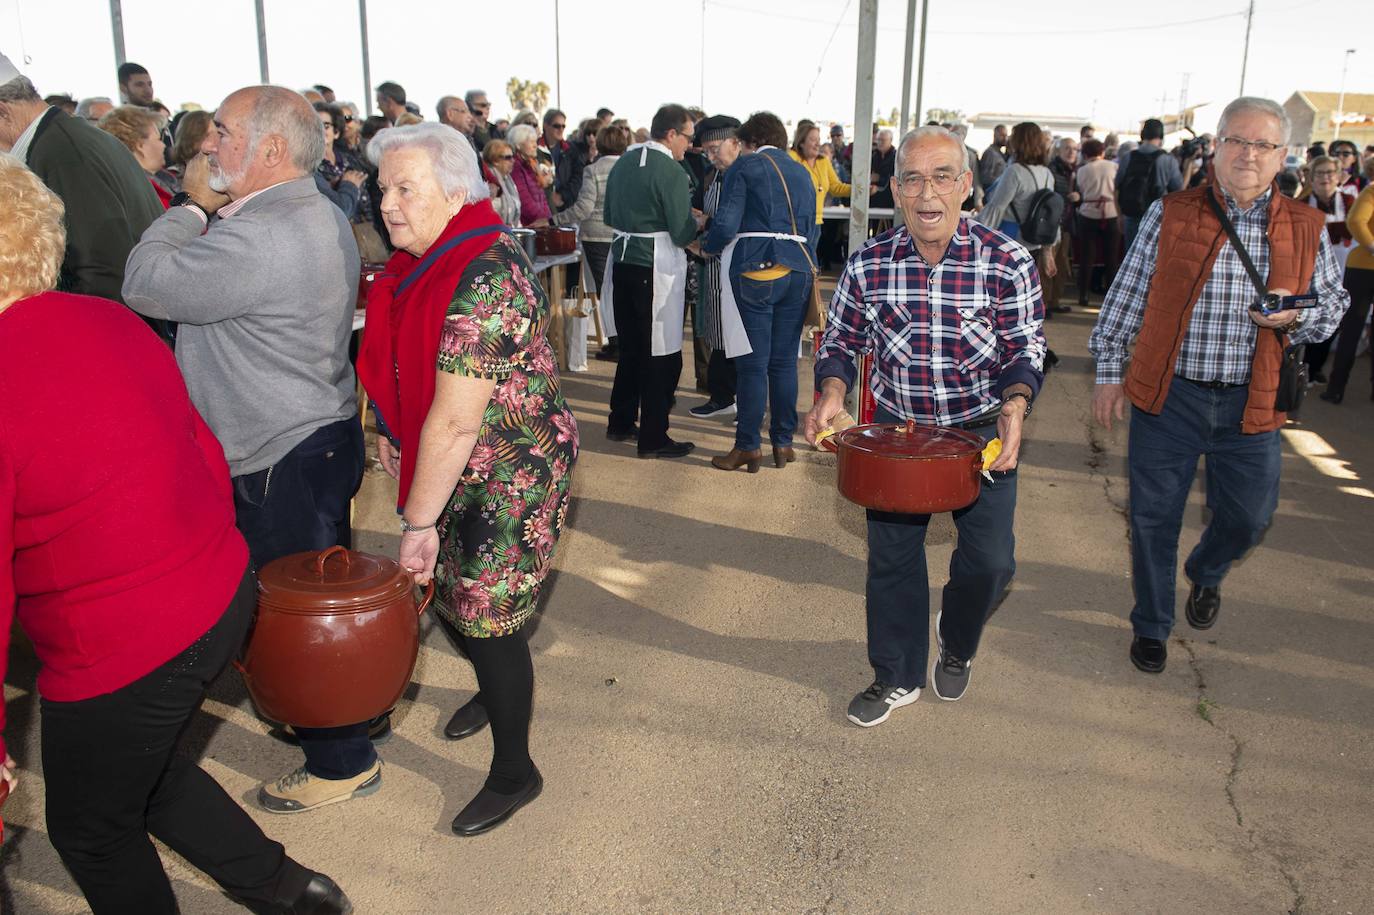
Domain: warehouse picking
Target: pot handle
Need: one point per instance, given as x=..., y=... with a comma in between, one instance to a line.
x=324, y=555
x=238, y=665
x=911, y=427
x=828, y=444
x=429, y=598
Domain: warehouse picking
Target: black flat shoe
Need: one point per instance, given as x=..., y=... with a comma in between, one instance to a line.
x=671, y=450
x=488, y=809
x=1332, y=397
x=1203, y=606
x=321, y=896
x=631, y=435
x=1149, y=655
x=468, y=720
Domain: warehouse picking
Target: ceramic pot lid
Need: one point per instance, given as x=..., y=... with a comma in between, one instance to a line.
x=335, y=580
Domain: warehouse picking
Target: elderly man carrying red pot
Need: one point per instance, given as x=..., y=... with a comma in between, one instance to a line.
x=952, y=313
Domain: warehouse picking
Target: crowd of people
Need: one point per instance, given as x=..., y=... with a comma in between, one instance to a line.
x=239, y=237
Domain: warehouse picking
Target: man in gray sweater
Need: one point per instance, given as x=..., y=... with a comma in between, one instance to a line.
x=261, y=272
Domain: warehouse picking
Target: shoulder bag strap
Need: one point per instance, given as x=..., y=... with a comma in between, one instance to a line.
x=443, y=249
x=1260, y=286
x=791, y=215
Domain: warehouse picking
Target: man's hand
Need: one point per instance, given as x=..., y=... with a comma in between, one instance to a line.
x=825, y=410
x=355, y=177
x=699, y=218
x=1109, y=400
x=196, y=182
x=1009, y=423
x=1278, y=318
x=389, y=456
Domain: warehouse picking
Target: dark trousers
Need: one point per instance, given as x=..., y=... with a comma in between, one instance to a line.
x=721, y=378
x=1095, y=238
x=300, y=503
x=644, y=383
x=897, y=591
x=113, y=777
x=772, y=312
x=1242, y=493
x=1360, y=282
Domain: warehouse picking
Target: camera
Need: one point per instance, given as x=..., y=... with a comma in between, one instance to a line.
x=1273, y=303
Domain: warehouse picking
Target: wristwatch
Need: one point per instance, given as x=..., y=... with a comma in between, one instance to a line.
x=1024, y=396
x=183, y=199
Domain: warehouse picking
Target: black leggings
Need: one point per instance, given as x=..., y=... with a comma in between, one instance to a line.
x=505, y=683
x=1360, y=282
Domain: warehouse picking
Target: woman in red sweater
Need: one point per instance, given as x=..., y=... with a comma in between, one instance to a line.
x=119, y=553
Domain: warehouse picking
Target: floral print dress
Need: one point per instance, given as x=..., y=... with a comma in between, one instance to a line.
x=497, y=533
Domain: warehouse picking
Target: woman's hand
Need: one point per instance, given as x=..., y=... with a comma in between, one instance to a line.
x=419, y=551
x=390, y=457
x=355, y=177
x=9, y=773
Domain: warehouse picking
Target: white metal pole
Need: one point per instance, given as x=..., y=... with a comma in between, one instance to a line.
x=1340, y=105
x=262, y=41
x=863, y=123
x=1245, y=58
x=908, y=51
x=367, y=65
x=117, y=30
x=557, y=59
x=921, y=63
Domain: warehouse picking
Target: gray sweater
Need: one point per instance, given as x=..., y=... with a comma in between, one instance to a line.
x=265, y=300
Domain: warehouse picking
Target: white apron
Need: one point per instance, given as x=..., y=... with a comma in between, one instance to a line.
x=670, y=280
x=731, y=325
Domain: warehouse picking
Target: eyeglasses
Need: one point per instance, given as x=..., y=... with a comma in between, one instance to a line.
x=559, y=126
x=915, y=185
x=507, y=156
x=1345, y=152
x=1241, y=145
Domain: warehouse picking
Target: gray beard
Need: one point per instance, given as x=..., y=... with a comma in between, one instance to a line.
x=220, y=179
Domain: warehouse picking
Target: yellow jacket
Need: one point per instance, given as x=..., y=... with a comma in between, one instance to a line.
x=1360, y=222
x=824, y=177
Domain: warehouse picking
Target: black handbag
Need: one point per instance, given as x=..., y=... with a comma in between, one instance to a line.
x=1292, y=369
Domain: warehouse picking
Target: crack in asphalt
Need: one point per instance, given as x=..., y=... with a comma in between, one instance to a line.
x=1205, y=706
x=1097, y=467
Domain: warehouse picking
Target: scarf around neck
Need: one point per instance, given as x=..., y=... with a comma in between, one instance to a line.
x=406, y=307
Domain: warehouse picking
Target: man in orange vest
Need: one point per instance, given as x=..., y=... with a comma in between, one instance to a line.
x=1204, y=364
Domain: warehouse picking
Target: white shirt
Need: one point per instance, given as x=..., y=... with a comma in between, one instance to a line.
x=20, y=150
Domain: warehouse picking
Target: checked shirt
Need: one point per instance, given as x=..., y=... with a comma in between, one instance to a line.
x=1220, y=342
x=947, y=338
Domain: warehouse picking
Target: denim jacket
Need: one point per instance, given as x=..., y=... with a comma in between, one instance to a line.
x=752, y=200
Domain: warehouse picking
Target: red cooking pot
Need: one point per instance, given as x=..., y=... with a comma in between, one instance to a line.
x=335, y=639
x=909, y=468
x=365, y=278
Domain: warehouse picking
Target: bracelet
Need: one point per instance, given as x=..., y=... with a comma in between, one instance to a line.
x=408, y=528
x=1024, y=396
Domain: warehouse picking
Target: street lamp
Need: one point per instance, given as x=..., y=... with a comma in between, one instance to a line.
x=1340, y=105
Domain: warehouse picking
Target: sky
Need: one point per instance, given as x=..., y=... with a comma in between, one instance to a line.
x=1110, y=63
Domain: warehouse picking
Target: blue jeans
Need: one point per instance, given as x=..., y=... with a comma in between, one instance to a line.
x=300, y=503
x=897, y=591
x=772, y=311
x=1131, y=225
x=1242, y=493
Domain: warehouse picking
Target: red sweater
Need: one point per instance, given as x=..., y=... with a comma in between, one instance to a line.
x=117, y=538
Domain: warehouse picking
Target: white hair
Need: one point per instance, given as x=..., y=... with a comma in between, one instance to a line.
x=932, y=132
x=1259, y=105
x=450, y=153
x=83, y=107
x=286, y=113
x=519, y=134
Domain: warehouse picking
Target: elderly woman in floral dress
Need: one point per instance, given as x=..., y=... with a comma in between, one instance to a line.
x=475, y=429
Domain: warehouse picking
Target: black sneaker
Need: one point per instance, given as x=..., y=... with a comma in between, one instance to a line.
x=873, y=705
x=711, y=408
x=948, y=675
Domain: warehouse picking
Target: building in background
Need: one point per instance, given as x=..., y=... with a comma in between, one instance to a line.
x=1314, y=116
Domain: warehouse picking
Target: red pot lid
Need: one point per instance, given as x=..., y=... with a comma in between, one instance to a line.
x=335, y=580
x=910, y=441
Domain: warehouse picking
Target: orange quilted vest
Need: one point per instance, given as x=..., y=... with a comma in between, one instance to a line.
x=1190, y=237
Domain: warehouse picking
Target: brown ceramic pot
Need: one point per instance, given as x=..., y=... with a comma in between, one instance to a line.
x=909, y=468
x=335, y=639
x=550, y=241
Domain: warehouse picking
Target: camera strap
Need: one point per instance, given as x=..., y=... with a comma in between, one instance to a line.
x=1244, y=255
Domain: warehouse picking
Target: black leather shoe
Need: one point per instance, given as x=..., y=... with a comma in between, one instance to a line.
x=1148, y=655
x=632, y=435
x=1331, y=396
x=671, y=450
x=488, y=809
x=468, y=720
x=1204, y=604
x=322, y=896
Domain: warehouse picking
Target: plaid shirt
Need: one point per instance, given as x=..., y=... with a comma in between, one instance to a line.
x=1220, y=342
x=947, y=338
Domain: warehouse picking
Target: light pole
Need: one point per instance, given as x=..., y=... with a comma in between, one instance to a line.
x=1340, y=105
x=1245, y=59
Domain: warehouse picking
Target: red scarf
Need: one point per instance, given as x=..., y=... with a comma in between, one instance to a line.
x=405, y=315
